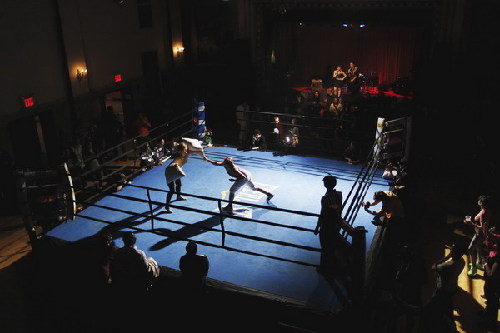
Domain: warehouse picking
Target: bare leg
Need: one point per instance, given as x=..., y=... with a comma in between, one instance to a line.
x=269, y=194
x=229, y=207
x=172, y=189
x=178, y=185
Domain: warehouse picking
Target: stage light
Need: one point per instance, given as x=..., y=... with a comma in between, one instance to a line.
x=362, y=25
x=345, y=25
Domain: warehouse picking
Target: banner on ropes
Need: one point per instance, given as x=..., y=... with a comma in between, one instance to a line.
x=200, y=124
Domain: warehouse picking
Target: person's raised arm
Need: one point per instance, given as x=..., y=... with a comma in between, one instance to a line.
x=215, y=162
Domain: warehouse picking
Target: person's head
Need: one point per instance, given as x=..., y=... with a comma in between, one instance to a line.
x=276, y=119
x=129, y=238
x=330, y=181
x=484, y=201
x=379, y=196
x=294, y=121
x=105, y=239
x=182, y=148
x=228, y=161
x=256, y=133
x=352, y=64
x=339, y=68
x=191, y=247
x=458, y=250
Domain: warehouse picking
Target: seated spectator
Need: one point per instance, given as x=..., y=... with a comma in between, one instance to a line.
x=293, y=134
x=104, y=252
x=148, y=157
x=161, y=152
x=258, y=140
x=194, y=269
x=207, y=139
x=131, y=269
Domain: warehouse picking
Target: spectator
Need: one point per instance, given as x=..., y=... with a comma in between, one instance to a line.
x=293, y=134
x=488, y=318
x=161, y=151
x=113, y=132
x=194, y=269
x=481, y=223
x=131, y=269
x=142, y=125
x=447, y=270
x=242, y=118
x=93, y=165
x=148, y=157
x=258, y=140
x=105, y=249
x=277, y=132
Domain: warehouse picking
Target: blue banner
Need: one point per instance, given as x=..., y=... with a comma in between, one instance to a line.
x=201, y=121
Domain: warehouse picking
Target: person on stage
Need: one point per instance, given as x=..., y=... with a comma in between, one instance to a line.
x=353, y=78
x=338, y=82
x=241, y=177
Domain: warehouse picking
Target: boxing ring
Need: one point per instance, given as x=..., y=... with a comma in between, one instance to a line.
x=269, y=247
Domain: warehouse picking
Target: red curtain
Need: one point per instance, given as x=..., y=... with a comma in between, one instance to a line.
x=312, y=50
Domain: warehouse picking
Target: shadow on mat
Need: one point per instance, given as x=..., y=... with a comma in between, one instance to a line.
x=185, y=232
x=114, y=228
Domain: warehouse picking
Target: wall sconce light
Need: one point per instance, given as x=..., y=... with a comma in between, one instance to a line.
x=179, y=50
x=81, y=73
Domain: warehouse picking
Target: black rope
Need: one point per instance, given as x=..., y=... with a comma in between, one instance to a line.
x=172, y=234
x=191, y=209
x=299, y=212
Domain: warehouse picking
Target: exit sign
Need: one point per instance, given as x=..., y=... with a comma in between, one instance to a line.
x=118, y=77
x=28, y=101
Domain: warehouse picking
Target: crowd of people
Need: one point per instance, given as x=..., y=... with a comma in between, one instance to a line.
x=320, y=119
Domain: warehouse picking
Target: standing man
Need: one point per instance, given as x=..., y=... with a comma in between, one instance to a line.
x=330, y=223
x=242, y=120
x=440, y=306
x=353, y=84
x=143, y=126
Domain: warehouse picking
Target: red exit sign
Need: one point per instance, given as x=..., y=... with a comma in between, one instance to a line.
x=29, y=101
x=118, y=77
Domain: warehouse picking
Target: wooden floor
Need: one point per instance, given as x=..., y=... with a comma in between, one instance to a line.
x=15, y=245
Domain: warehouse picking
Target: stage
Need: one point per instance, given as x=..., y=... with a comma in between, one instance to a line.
x=271, y=248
